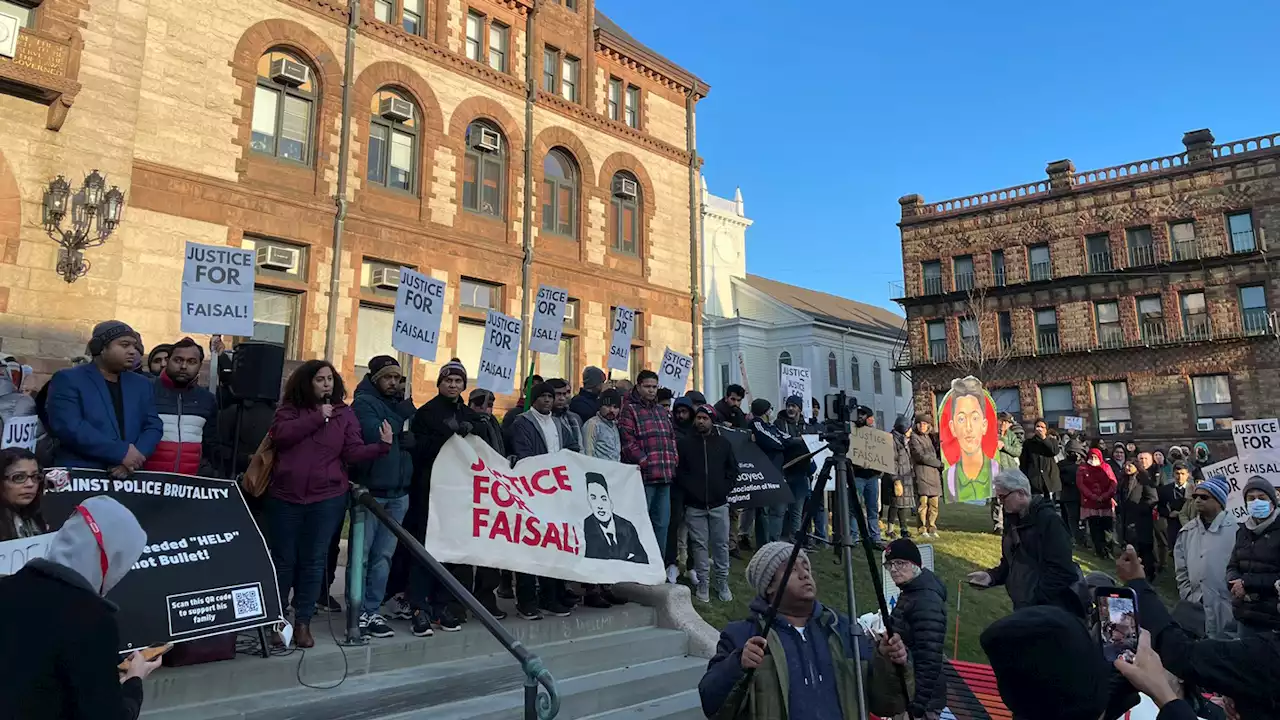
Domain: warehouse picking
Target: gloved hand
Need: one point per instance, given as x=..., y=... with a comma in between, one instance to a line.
x=452, y=424
x=465, y=428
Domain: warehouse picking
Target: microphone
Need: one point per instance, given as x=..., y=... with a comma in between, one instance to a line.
x=326, y=402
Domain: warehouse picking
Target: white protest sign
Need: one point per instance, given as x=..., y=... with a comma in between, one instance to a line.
x=674, y=374
x=1071, y=422
x=16, y=553
x=1258, y=450
x=1230, y=471
x=499, y=356
x=217, y=290
x=813, y=442
x=21, y=432
x=624, y=328
x=797, y=381
x=561, y=515
x=419, y=310
x=548, y=320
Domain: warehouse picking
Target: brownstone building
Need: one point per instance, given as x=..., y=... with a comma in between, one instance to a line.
x=222, y=123
x=1140, y=297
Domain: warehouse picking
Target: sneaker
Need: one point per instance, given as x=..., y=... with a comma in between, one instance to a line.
x=596, y=600
x=375, y=626
x=723, y=593
x=554, y=608
x=905, y=533
x=702, y=594
x=400, y=609
x=528, y=612
x=611, y=598
x=421, y=624
x=495, y=611
x=673, y=574
x=570, y=599
x=446, y=621
x=329, y=604
x=505, y=593
x=693, y=577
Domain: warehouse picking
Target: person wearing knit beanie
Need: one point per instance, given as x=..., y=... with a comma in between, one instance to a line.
x=1217, y=487
x=760, y=408
x=383, y=365
x=453, y=368
x=763, y=568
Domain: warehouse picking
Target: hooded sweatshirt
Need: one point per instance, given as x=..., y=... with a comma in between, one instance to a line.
x=1097, y=484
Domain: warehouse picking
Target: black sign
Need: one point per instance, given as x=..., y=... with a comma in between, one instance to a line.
x=760, y=482
x=205, y=570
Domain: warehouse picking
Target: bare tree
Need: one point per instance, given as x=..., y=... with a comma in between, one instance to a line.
x=984, y=350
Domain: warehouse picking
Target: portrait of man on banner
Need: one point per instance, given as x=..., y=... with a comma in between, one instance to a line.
x=969, y=437
x=609, y=536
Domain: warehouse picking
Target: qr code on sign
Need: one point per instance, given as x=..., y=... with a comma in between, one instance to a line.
x=248, y=602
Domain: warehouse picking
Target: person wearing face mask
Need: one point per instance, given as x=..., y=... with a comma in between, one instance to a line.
x=1254, y=567
x=1097, y=485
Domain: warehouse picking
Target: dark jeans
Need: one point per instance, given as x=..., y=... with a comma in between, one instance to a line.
x=1098, y=529
x=1070, y=510
x=533, y=590
x=300, y=536
x=675, y=527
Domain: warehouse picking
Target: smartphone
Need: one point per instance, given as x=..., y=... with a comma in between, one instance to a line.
x=149, y=653
x=1118, y=626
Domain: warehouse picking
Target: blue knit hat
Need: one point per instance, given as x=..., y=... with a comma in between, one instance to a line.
x=1217, y=487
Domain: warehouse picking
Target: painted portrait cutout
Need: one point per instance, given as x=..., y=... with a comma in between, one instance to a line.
x=969, y=436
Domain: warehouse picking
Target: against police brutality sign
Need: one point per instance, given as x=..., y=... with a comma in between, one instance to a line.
x=548, y=320
x=674, y=373
x=624, y=328
x=499, y=355
x=419, y=310
x=217, y=290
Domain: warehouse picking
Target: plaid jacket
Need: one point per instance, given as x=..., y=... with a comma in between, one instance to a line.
x=648, y=439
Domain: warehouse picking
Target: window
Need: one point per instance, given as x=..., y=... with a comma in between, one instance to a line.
x=833, y=370
x=479, y=295
x=784, y=359
x=937, y=330
x=1254, y=317
x=374, y=326
x=411, y=19
x=963, y=273
x=550, y=59
x=569, y=78
x=282, y=111
x=1195, y=316
x=383, y=9
x=571, y=314
x=1055, y=401
x=1038, y=261
x=726, y=379
x=1110, y=334
x=932, y=272
x=482, y=176
x=855, y=374
x=470, y=344
x=877, y=382
x=1182, y=241
x=970, y=340
x=624, y=220
x=1008, y=400
x=560, y=193
x=1142, y=249
x=1005, y=320
x=937, y=401
x=393, y=141
x=997, y=268
x=25, y=14
x=897, y=384
x=615, y=99
x=275, y=319
x=1213, y=402
x=499, y=39
x=563, y=363
x=1240, y=225
x=1151, y=318
x=475, y=36
x=1098, y=248
x=880, y=419
x=1047, y=330
x=631, y=114
x=1112, y=402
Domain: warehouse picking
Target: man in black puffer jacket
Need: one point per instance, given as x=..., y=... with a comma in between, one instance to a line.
x=920, y=617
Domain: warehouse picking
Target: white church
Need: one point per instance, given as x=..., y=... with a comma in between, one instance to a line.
x=753, y=325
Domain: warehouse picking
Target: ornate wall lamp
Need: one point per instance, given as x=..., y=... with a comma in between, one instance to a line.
x=95, y=213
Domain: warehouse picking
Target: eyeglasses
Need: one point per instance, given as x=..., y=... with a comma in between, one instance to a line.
x=1200, y=497
x=23, y=478
x=897, y=565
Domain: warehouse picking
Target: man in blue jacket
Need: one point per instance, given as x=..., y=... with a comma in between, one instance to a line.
x=103, y=415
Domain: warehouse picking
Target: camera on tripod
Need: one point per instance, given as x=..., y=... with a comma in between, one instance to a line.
x=841, y=408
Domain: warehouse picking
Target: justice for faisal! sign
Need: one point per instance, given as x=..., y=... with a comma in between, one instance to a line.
x=217, y=290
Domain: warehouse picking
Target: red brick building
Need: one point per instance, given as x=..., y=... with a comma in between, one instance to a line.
x=1140, y=297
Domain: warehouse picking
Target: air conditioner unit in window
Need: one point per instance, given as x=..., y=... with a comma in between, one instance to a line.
x=289, y=72
x=1107, y=428
x=275, y=257
x=394, y=108
x=485, y=139
x=386, y=278
x=624, y=188
x=570, y=314
x=1204, y=424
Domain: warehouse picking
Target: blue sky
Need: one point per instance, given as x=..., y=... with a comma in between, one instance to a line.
x=941, y=98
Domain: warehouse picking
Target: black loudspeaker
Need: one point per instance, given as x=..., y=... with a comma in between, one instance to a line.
x=256, y=371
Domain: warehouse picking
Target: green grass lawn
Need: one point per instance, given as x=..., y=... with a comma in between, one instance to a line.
x=966, y=544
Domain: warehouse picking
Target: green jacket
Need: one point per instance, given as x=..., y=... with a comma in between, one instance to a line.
x=1009, y=455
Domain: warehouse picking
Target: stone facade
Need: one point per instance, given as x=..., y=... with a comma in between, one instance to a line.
x=164, y=97
x=1135, y=252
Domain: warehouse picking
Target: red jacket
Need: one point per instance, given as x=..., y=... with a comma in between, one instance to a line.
x=312, y=455
x=189, y=415
x=1097, y=485
x=648, y=439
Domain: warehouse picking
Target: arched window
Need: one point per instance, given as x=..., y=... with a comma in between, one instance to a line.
x=624, y=214
x=877, y=384
x=784, y=359
x=284, y=107
x=559, y=194
x=897, y=384
x=855, y=375
x=393, y=141
x=833, y=370
x=482, y=183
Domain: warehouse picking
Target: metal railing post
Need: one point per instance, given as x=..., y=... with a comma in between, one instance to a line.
x=355, y=572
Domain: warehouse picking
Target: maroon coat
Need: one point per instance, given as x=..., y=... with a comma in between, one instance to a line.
x=312, y=455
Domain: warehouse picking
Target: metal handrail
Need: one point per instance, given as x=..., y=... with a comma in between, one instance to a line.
x=537, y=705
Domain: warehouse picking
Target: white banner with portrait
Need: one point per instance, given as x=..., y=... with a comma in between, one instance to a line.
x=562, y=515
